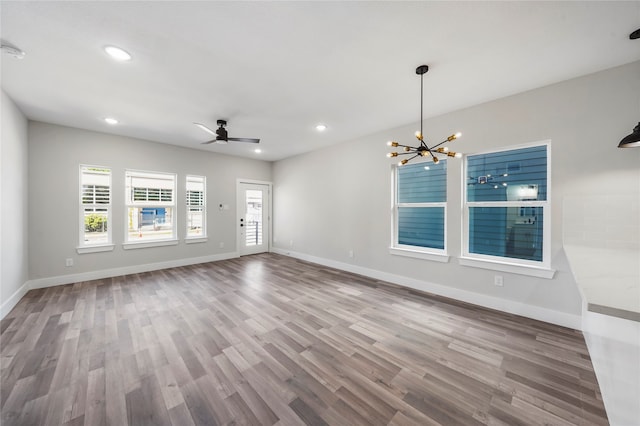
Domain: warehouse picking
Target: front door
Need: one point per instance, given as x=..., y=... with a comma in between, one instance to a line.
x=253, y=218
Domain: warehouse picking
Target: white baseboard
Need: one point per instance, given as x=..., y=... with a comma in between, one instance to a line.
x=10, y=303
x=126, y=270
x=510, y=306
x=105, y=273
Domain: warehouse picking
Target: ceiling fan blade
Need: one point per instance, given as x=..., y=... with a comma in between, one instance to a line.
x=205, y=128
x=208, y=142
x=250, y=140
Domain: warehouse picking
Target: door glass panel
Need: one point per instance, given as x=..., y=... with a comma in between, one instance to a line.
x=253, y=219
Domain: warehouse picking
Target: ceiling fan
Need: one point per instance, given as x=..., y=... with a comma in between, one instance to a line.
x=221, y=134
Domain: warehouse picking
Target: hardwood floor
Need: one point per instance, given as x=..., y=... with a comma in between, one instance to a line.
x=268, y=339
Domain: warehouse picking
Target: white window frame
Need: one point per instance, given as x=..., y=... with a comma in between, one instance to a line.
x=198, y=238
x=83, y=247
x=131, y=203
x=540, y=269
x=427, y=253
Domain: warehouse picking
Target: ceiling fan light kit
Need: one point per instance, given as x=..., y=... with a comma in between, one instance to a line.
x=222, y=137
x=423, y=150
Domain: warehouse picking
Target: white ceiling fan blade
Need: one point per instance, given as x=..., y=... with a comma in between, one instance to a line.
x=206, y=129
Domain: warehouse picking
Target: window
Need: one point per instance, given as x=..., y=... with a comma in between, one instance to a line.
x=95, y=206
x=507, y=210
x=196, y=207
x=150, y=198
x=419, y=210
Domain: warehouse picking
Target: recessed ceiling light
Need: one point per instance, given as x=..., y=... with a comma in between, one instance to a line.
x=117, y=53
x=111, y=120
x=257, y=150
x=321, y=127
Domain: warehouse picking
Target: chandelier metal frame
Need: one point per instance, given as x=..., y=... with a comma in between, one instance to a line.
x=423, y=150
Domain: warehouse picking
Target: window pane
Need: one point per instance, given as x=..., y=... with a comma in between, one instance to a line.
x=422, y=183
x=421, y=226
x=514, y=232
x=194, y=222
x=515, y=175
x=195, y=200
x=253, y=218
x=150, y=223
x=95, y=226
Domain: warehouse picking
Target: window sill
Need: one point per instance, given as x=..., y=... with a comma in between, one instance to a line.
x=532, y=271
x=95, y=249
x=147, y=244
x=195, y=240
x=417, y=254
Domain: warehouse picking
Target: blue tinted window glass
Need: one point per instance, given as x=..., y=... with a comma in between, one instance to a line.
x=421, y=226
x=422, y=183
x=515, y=175
x=514, y=232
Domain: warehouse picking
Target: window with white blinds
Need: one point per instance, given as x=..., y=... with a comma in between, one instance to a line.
x=507, y=205
x=196, y=207
x=419, y=210
x=95, y=206
x=150, y=198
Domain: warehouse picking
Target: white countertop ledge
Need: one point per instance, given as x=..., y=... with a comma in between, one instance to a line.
x=608, y=278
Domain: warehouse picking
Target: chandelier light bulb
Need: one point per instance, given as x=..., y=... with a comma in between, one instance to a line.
x=458, y=155
x=403, y=162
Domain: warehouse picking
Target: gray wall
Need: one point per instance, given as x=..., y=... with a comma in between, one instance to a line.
x=55, y=153
x=338, y=199
x=13, y=205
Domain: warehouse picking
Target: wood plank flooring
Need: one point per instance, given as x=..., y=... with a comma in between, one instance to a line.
x=271, y=340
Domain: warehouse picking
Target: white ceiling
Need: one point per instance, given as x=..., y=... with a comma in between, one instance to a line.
x=276, y=69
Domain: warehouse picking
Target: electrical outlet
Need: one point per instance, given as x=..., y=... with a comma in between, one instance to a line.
x=290, y=243
x=350, y=253
x=498, y=280
x=221, y=244
x=68, y=262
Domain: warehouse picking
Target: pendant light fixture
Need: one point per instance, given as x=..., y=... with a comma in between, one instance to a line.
x=423, y=150
x=631, y=141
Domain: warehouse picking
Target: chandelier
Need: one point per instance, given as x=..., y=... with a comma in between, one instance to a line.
x=423, y=150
